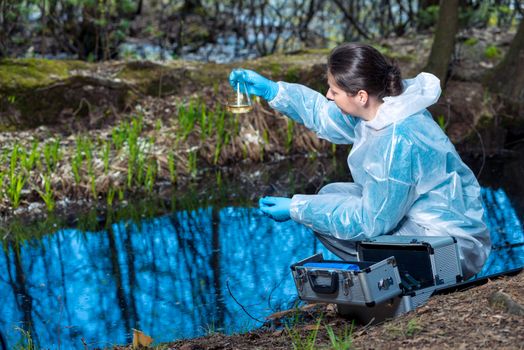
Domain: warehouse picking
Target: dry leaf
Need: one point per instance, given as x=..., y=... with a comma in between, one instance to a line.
x=141, y=339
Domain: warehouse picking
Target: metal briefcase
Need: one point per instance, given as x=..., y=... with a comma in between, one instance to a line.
x=430, y=261
x=367, y=283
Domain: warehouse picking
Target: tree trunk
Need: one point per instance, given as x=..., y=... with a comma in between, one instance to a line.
x=444, y=40
x=507, y=78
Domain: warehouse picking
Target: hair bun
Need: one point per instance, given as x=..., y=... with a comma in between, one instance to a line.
x=393, y=83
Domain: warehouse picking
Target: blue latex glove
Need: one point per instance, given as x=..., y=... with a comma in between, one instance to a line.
x=276, y=207
x=255, y=83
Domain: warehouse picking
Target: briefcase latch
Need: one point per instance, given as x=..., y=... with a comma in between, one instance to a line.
x=384, y=283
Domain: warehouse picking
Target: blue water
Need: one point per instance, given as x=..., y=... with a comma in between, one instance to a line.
x=185, y=274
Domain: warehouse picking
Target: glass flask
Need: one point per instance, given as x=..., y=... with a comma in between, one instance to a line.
x=238, y=101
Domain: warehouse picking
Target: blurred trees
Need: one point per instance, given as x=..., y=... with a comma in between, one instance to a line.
x=97, y=29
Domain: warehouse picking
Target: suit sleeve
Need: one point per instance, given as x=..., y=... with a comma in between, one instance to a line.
x=316, y=112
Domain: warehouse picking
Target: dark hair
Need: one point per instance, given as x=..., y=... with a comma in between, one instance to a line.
x=361, y=67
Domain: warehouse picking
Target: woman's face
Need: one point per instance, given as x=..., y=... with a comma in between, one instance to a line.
x=346, y=102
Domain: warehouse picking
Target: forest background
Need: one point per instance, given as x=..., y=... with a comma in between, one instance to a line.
x=104, y=102
x=124, y=97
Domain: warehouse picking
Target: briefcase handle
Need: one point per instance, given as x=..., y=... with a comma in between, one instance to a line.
x=321, y=288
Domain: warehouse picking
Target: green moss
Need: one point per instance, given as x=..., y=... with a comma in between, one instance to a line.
x=140, y=71
x=492, y=52
x=19, y=74
x=471, y=41
x=292, y=74
x=388, y=52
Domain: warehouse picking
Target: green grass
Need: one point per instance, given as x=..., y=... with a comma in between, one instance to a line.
x=47, y=194
x=441, y=120
x=301, y=342
x=52, y=154
x=403, y=329
x=25, y=342
x=14, y=189
x=289, y=134
x=171, y=165
x=192, y=162
x=342, y=341
x=36, y=165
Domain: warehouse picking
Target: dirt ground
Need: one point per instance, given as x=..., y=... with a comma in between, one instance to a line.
x=490, y=316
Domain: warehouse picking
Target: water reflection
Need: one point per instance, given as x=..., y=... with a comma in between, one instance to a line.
x=177, y=275
x=507, y=237
x=170, y=277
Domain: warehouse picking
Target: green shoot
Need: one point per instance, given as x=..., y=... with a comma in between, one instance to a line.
x=172, y=167
x=307, y=343
x=289, y=134
x=47, y=195
x=106, y=150
x=192, y=162
x=342, y=341
x=110, y=196
x=151, y=175
x=15, y=187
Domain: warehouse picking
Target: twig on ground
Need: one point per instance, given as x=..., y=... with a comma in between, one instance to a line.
x=242, y=306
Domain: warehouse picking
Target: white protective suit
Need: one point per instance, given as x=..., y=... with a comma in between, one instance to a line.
x=409, y=179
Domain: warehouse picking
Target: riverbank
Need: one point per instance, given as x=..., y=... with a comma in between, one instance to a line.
x=490, y=316
x=101, y=134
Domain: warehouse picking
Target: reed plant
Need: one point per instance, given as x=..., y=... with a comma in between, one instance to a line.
x=106, y=151
x=187, y=117
x=289, y=134
x=265, y=141
x=87, y=152
x=118, y=136
x=244, y=151
x=76, y=163
x=13, y=160
x=110, y=196
x=206, y=124
x=92, y=185
x=47, y=194
x=135, y=160
x=151, y=172
x=140, y=165
x=218, y=177
x=2, y=177
x=171, y=165
x=221, y=134
x=28, y=160
x=14, y=189
x=52, y=154
x=192, y=162
x=158, y=125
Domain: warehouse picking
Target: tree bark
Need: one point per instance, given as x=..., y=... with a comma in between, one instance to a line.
x=444, y=40
x=507, y=78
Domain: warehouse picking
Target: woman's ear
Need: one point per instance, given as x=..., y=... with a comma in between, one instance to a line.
x=362, y=97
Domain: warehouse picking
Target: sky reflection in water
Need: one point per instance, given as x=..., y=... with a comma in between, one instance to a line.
x=175, y=276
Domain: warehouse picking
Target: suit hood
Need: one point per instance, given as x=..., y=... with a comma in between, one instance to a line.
x=419, y=93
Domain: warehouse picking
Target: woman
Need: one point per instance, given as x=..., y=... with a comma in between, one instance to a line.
x=408, y=177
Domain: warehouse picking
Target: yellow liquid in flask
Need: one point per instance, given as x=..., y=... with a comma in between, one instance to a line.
x=238, y=109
